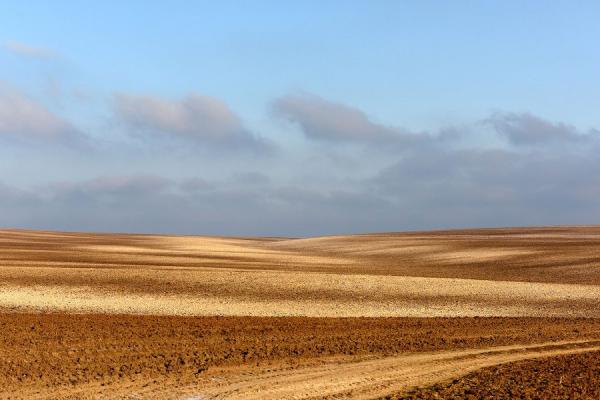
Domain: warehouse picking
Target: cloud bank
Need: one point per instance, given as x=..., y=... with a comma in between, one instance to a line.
x=538, y=172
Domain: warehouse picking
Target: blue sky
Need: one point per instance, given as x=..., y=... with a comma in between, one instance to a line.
x=297, y=118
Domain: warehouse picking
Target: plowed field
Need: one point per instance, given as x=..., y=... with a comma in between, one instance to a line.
x=366, y=316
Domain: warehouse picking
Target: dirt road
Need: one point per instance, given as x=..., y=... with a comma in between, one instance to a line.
x=369, y=379
x=97, y=356
x=332, y=378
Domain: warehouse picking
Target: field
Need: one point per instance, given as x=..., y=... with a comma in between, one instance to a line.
x=575, y=376
x=398, y=315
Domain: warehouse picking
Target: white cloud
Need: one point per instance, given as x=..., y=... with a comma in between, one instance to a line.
x=196, y=118
x=27, y=50
x=23, y=118
x=324, y=120
x=527, y=129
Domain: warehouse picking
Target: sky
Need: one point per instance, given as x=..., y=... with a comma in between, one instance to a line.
x=298, y=118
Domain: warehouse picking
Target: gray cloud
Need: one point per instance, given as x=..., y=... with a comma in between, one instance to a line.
x=250, y=178
x=23, y=49
x=153, y=204
x=491, y=187
x=24, y=119
x=199, y=119
x=195, y=185
x=320, y=119
x=111, y=187
x=441, y=182
x=527, y=129
x=422, y=190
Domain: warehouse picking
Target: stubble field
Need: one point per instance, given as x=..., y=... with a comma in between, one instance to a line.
x=364, y=316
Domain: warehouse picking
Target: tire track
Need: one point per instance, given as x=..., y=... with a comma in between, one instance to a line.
x=372, y=378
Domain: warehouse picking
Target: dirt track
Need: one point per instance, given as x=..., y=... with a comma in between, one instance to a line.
x=370, y=379
x=99, y=356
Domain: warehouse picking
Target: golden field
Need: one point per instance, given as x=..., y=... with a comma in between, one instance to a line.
x=499, y=296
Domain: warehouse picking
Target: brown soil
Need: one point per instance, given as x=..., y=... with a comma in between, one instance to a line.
x=142, y=316
x=57, y=355
x=369, y=378
x=501, y=272
x=574, y=376
x=550, y=254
